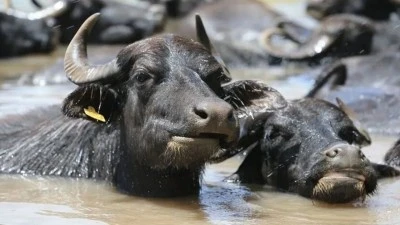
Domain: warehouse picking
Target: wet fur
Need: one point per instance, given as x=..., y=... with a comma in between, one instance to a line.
x=58, y=145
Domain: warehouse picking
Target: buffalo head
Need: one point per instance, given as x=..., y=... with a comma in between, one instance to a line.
x=165, y=94
x=310, y=147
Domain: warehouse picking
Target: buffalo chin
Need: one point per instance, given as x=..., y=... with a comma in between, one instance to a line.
x=188, y=152
x=340, y=188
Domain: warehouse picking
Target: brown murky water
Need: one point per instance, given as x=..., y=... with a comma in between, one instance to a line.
x=49, y=200
x=52, y=200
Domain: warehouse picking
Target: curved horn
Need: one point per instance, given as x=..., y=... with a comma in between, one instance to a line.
x=76, y=63
x=51, y=11
x=318, y=44
x=294, y=31
x=202, y=37
x=337, y=72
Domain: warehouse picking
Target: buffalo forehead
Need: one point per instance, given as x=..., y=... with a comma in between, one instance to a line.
x=169, y=52
x=310, y=117
x=192, y=55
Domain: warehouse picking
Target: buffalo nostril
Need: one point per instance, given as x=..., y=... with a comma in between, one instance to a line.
x=333, y=152
x=201, y=113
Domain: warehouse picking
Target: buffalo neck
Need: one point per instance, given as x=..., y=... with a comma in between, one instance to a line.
x=144, y=181
x=136, y=177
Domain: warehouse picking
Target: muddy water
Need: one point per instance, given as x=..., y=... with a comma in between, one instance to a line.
x=44, y=200
x=52, y=200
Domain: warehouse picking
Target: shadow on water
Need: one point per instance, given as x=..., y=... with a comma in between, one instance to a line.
x=52, y=200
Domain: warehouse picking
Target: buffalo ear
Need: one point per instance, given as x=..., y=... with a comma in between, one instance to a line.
x=384, y=171
x=252, y=97
x=202, y=37
x=352, y=115
x=93, y=102
x=253, y=102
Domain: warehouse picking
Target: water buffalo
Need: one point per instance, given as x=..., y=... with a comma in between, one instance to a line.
x=307, y=146
x=337, y=36
x=368, y=85
x=120, y=23
x=374, y=9
x=392, y=157
x=147, y=121
x=249, y=33
x=21, y=36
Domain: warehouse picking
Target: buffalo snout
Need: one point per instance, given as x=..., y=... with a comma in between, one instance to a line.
x=346, y=175
x=345, y=156
x=215, y=118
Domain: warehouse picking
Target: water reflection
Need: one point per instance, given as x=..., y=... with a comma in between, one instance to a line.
x=53, y=200
x=41, y=214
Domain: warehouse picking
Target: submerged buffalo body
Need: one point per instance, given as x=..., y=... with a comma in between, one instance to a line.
x=23, y=36
x=146, y=121
x=310, y=147
x=120, y=23
x=178, y=8
x=374, y=9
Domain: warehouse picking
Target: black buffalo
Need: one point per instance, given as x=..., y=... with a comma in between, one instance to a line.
x=307, y=146
x=120, y=23
x=337, y=36
x=147, y=121
x=19, y=36
x=374, y=9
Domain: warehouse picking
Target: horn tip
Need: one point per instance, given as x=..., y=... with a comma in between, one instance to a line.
x=198, y=20
x=94, y=16
x=339, y=101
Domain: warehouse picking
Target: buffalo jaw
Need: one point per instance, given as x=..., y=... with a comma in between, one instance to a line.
x=188, y=150
x=347, y=175
x=340, y=187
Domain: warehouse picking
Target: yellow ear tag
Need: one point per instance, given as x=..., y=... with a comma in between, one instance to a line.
x=91, y=112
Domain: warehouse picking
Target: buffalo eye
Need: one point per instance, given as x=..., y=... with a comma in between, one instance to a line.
x=275, y=133
x=351, y=135
x=214, y=81
x=142, y=77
